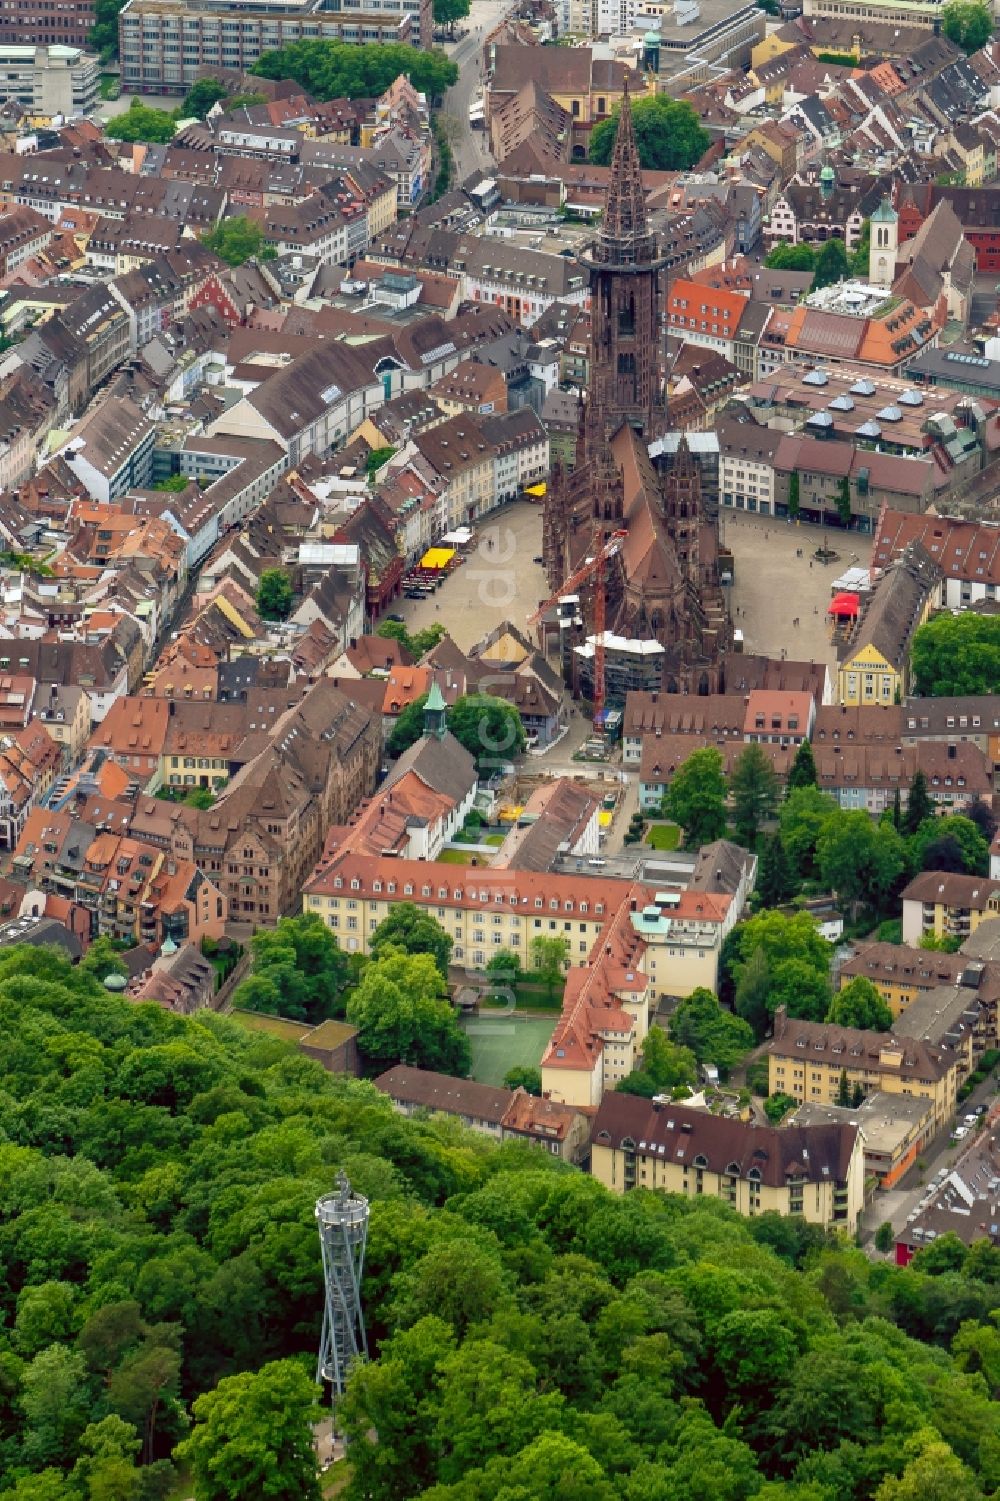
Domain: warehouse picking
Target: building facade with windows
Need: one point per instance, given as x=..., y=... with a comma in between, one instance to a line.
x=818, y=1062
x=814, y=1171
x=947, y=904
x=49, y=80
x=876, y=665
x=165, y=45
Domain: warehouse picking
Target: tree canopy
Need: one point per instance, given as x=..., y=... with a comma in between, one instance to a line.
x=696, y=798
x=775, y=877
x=237, y=239
x=831, y=265
x=201, y=96
x=858, y=1004
x=447, y=12
x=489, y=728
x=410, y=928
x=713, y=1035
x=668, y=134
x=417, y=644
x=535, y=1337
x=401, y=1010
x=754, y=789
x=957, y=655
x=785, y=257
x=274, y=594
x=252, y=1436
x=340, y=70
x=549, y=958
x=776, y=960
x=664, y=1066
x=103, y=35
x=950, y=843
x=967, y=23
x=298, y=971
x=140, y=123
x=802, y=772
x=861, y=861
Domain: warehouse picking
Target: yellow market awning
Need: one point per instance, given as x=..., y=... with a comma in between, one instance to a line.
x=537, y=490
x=437, y=557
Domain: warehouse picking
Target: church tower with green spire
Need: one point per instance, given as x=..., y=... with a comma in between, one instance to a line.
x=435, y=714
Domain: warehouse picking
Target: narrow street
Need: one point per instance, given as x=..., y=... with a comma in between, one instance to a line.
x=897, y=1203
x=470, y=147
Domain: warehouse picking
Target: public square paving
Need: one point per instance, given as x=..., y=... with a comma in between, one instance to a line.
x=773, y=586
x=498, y=581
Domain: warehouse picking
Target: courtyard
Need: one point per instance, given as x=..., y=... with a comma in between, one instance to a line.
x=502, y=1040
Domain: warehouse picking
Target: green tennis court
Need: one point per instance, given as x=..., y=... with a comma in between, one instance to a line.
x=499, y=1042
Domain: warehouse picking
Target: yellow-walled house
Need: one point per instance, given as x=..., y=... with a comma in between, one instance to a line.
x=900, y=972
x=808, y=1061
x=815, y=1171
x=876, y=665
x=947, y=904
x=771, y=46
x=481, y=910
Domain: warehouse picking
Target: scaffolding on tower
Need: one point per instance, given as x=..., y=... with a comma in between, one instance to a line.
x=593, y=568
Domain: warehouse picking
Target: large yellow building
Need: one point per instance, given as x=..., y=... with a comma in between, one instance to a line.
x=629, y=945
x=814, y=1171
x=480, y=910
x=810, y=1060
x=901, y=973
x=876, y=666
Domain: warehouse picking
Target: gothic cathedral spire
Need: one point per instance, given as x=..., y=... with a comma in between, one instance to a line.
x=624, y=264
x=624, y=231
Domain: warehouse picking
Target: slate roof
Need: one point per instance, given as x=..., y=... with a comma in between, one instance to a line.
x=814, y=1153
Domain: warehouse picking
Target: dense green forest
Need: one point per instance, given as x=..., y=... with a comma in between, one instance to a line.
x=536, y=1336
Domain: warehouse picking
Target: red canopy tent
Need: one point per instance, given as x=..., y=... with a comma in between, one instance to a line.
x=844, y=604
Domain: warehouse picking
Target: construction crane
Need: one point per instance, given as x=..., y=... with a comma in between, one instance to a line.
x=592, y=567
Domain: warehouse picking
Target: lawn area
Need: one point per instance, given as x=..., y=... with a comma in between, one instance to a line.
x=456, y=857
x=499, y=1041
x=495, y=839
x=664, y=836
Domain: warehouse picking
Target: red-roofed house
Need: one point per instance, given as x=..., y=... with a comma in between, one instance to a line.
x=706, y=316
x=774, y=718
x=967, y=553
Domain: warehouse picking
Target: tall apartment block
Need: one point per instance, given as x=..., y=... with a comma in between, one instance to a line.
x=164, y=45
x=48, y=81
x=44, y=22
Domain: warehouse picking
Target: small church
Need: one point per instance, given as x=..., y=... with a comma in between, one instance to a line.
x=935, y=269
